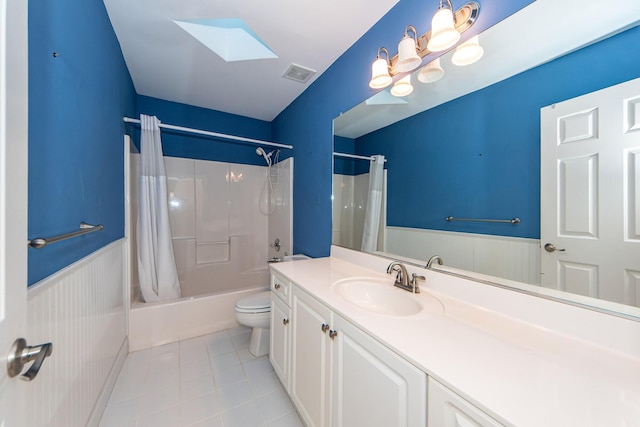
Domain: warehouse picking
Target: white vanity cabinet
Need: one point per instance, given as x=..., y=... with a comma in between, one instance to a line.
x=280, y=334
x=280, y=338
x=372, y=385
x=310, y=359
x=447, y=409
x=340, y=376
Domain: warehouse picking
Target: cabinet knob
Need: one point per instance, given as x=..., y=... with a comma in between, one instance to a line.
x=277, y=286
x=325, y=328
x=285, y=322
x=332, y=334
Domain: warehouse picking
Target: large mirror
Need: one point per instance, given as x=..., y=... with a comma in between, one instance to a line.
x=468, y=147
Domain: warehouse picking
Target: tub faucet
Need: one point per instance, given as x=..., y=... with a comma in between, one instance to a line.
x=402, y=277
x=435, y=258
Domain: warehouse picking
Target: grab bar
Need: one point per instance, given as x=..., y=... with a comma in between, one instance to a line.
x=40, y=242
x=514, y=221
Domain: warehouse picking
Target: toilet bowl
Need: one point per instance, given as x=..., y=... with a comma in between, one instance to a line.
x=255, y=311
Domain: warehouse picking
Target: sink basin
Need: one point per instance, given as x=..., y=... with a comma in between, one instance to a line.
x=377, y=295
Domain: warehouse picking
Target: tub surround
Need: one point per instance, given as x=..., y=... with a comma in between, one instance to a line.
x=524, y=360
x=154, y=324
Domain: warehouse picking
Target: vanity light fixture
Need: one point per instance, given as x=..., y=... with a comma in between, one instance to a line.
x=402, y=87
x=380, y=77
x=408, y=59
x=443, y=29
x=411, y=50
x=432, y=72
x=468, y=52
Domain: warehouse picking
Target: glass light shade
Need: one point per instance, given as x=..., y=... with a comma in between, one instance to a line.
x=408, y=58
x=468, y=52
x=443, y=32
x=402, y=87
x=432, y=72
x=380, y=77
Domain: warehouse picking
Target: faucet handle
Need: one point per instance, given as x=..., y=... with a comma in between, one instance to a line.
x=414, y=282
x=415, y=278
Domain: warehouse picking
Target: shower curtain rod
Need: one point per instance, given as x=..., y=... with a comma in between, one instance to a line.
x=213, y=134
x=353, y=156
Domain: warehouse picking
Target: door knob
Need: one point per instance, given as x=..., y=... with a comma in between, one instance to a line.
x=325, y=327
x=21, y=354
x=550, y=248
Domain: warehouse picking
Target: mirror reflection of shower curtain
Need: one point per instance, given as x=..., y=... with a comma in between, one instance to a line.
x=156, y=264
x=374, y=205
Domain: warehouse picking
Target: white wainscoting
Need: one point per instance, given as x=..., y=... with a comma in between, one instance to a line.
x=507, y=257
x=81, y=311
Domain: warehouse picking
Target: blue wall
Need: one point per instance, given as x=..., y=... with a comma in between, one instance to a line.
x=345, y=165
x=180, y=144
x=342, y=165
x=307, y=122
x=479, y=156
x=76, y=104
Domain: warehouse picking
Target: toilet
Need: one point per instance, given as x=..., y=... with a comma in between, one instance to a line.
x=255, y=311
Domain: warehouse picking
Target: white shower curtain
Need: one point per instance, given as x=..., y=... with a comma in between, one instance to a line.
x=156, y=264
x=374, y=205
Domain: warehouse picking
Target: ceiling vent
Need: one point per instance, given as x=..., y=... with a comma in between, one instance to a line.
x=298, y=73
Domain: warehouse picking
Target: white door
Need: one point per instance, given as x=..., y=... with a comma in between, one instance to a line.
x=590, y=194
x=13, y=200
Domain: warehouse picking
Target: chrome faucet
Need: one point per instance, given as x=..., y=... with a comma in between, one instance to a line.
x=402, y=277
x=435, y=258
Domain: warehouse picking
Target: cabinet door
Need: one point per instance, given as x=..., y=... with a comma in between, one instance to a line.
x=279, y=340
x=447, y=409
x=372, y=385
x=310, y=359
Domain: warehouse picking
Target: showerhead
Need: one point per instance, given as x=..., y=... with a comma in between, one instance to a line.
x=267, y=157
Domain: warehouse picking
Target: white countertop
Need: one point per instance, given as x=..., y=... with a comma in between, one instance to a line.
x=521, y=373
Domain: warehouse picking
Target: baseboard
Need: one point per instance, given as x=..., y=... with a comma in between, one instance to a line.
x=103, y=399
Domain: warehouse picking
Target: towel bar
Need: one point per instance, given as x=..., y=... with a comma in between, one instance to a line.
x=40, y=242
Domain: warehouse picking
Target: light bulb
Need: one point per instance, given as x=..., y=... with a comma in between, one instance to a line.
x=468, y=52
x=380, y=77
x=408, y=59
x=402, y=87
x=443, y=32
x=432, y=72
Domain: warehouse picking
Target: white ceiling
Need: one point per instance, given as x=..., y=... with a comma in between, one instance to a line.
x=166, y=62
x=540, y=32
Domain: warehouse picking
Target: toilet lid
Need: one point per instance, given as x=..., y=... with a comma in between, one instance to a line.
x=259, y=302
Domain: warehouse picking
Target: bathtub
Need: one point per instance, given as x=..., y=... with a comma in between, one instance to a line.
x=158, y=323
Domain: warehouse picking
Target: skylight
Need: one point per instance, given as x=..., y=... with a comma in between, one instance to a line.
x=230, y=38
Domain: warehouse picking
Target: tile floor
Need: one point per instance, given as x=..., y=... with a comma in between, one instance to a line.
x=211, y=380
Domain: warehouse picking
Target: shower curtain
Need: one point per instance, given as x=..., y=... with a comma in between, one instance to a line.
x=374, y=205
x=156, y=264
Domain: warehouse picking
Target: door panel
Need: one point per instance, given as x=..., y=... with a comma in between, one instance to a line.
x=632, y=192
x=577, y=183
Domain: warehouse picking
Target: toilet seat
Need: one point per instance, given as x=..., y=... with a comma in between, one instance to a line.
x=255, y=303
